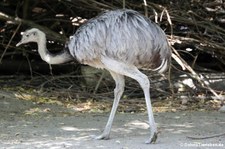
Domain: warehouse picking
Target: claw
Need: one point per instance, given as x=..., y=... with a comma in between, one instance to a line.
x=152, y=139
x=101, y=137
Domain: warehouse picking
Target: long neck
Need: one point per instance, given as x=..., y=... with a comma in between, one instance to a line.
x=58, y=58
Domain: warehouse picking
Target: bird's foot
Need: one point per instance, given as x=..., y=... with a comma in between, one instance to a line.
x=101, y=137
x=152, y=139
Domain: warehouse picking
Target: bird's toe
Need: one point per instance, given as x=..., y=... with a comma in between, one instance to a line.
x=100, y=137
x=152, y=139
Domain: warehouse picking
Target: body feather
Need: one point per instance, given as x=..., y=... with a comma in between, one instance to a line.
x=122, y=35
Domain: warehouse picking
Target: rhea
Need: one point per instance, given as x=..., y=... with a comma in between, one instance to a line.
x=120, y=41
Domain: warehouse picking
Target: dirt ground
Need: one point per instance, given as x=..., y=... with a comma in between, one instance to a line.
x=25, y=124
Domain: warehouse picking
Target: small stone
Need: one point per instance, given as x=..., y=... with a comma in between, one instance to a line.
x=222, y=109
x=173, y=110
x=184, y=101
x=118, y=141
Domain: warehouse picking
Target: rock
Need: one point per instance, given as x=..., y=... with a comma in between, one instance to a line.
x=222, y=109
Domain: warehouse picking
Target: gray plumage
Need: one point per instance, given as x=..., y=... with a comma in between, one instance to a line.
x=123, y=35
x=119, y=41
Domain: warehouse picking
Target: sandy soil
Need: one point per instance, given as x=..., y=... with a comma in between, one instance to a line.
x=24, y=124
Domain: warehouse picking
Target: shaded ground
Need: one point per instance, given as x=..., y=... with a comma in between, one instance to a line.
x=25, y=124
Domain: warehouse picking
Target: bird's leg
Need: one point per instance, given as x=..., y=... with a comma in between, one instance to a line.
x=118, y=91
x=132, y=72
x=145, y=84
x=146, y=88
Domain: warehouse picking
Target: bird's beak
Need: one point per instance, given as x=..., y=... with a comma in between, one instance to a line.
x=19, y=43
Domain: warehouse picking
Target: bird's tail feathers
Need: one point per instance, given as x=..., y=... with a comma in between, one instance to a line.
x=163, y=67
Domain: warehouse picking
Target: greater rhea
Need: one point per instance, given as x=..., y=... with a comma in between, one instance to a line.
x=120, y=41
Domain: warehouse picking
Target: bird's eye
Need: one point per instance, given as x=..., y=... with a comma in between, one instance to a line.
x=27, y=35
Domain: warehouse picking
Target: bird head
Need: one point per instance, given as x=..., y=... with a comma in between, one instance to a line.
x=30, y=35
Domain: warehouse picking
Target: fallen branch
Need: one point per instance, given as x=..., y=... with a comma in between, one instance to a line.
x=205, y=137
x=7, y=46
x=51, y=34
x=194, y=75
